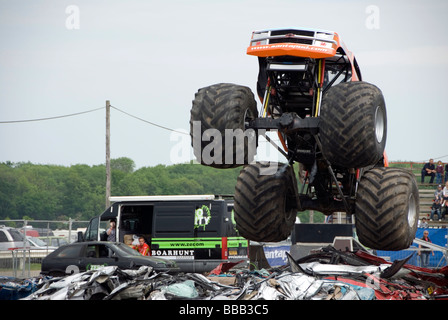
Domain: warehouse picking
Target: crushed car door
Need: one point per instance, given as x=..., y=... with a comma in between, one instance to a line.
x=95, y=256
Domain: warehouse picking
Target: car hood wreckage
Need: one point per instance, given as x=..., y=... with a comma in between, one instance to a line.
x=326, y=274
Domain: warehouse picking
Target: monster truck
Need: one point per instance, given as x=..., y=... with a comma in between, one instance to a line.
x=330, y=123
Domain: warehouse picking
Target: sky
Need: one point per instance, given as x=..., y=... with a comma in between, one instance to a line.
x=149, y=58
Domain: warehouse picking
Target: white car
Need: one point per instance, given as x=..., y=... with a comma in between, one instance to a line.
x=10, y=238
x=36, y=243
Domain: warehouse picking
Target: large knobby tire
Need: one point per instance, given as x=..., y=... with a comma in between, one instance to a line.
x=387, y=209
x=218, y=120
x=353, y=125
x=265, y=201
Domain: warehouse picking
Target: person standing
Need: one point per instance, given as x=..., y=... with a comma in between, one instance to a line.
x=424, y=251
x=112, y=231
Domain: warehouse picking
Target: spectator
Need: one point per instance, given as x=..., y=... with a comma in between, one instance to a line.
x=424, y=251
x=445, y=194
x=438, y=194
x=423, y=223
x=142, y=247
x=439, y=172
x=437, y=205
x=429, y=170
x=436, y=208
x=446, y=172
x=444, y=200
x=111, y=232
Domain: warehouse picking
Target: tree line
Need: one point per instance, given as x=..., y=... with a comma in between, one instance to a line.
x=52, y=192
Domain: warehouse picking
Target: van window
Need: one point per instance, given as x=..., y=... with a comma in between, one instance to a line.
x=92, y=230
x=174, y=220
x=136, y=218
x=230, y=225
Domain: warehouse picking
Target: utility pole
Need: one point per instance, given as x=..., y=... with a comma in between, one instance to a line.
x=108, y=176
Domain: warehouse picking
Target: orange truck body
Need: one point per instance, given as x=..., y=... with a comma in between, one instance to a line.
x=313, y=44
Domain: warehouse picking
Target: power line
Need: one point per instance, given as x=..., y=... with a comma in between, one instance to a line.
x=52, y=118
x=436, y=158
x=83, y=112
x=126, y=113
x=149, y=122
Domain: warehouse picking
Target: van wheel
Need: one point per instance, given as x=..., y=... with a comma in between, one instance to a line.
x=387, y=209
x=265, y=201
x=219, y=109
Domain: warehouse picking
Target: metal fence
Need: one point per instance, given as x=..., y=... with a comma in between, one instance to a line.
x=436, y=252
x=436, y=258
x=22, y=259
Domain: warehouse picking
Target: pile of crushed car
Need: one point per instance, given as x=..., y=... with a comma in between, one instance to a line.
x=325, y=274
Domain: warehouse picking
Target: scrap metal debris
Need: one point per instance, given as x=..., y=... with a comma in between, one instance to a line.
x=12, y=288
x=327, y=274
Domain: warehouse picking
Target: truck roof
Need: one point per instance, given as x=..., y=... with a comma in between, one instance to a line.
x=110, y=213
x=193, y=197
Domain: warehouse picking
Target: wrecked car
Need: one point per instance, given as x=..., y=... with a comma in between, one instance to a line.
x=83, y=256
